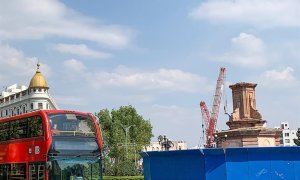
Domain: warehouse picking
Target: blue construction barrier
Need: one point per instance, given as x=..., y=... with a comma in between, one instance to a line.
x=261, y=163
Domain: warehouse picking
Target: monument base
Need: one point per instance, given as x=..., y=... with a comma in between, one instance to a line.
x=247, y=137
x=246, y=123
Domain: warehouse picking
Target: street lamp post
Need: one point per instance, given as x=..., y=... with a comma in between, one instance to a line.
x=165, y=143
x=126, y=129
x=220, y=140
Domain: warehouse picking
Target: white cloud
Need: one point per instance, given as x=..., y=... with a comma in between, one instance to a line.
x=260, y=13
x=282, y=78
x=134, y=98
x=162, y=79
x=246, y=51
x=15, y=64
x=75, y=65
x=122, y=77
x=82, y=50
x=70, y=100
x=34, y=19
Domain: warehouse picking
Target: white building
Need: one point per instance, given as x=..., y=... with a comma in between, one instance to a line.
x=15, y=100
x=177, y=145
x=288, y=135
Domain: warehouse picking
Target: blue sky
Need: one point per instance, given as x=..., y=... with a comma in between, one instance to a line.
x=162, y=57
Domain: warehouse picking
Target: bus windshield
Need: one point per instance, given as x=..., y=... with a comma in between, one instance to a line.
x=71, y=125
x=74, y=168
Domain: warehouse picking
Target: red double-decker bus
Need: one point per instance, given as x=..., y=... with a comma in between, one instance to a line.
x=50, y=145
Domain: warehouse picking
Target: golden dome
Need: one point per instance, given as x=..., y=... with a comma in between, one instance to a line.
x=38, y=80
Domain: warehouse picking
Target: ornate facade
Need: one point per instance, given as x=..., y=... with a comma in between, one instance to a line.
x=15, y=100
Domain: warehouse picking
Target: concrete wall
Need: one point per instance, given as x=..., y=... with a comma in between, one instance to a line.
x=263, y=163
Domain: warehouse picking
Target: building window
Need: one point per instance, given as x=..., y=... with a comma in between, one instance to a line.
x=287, y=141
x=40, y=105
x=286, y=134
x=31, y=105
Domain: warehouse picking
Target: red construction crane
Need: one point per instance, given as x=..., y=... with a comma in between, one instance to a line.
x=210, y=119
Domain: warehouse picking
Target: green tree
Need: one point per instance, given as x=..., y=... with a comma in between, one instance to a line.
x=297, y=141
x=120, y=158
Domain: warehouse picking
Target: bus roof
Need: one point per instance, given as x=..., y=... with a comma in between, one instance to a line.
x=36, y=112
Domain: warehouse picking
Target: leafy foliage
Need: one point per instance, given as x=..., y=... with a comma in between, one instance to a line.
x=123, y=178
x=114, y=126
x=297, y=141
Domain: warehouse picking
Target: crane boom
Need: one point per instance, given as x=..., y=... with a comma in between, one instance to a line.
x=205, y=113
x=211, y=119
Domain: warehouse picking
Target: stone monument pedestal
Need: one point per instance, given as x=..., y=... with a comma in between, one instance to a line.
x=246, y=127
x=246, y=137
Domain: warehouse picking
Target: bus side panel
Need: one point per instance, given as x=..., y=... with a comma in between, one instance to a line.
x=26, y=151
x=48, y=137
x=3, y=153
x=98, y=132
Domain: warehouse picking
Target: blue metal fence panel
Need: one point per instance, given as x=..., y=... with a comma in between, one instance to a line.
x=224, y=164
x=259, y=164
x=215, y=167
x=177, y=165
x=146, y=165
x=282, y=163
x=297, y=169
x=237, y=163
x=295, y=156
